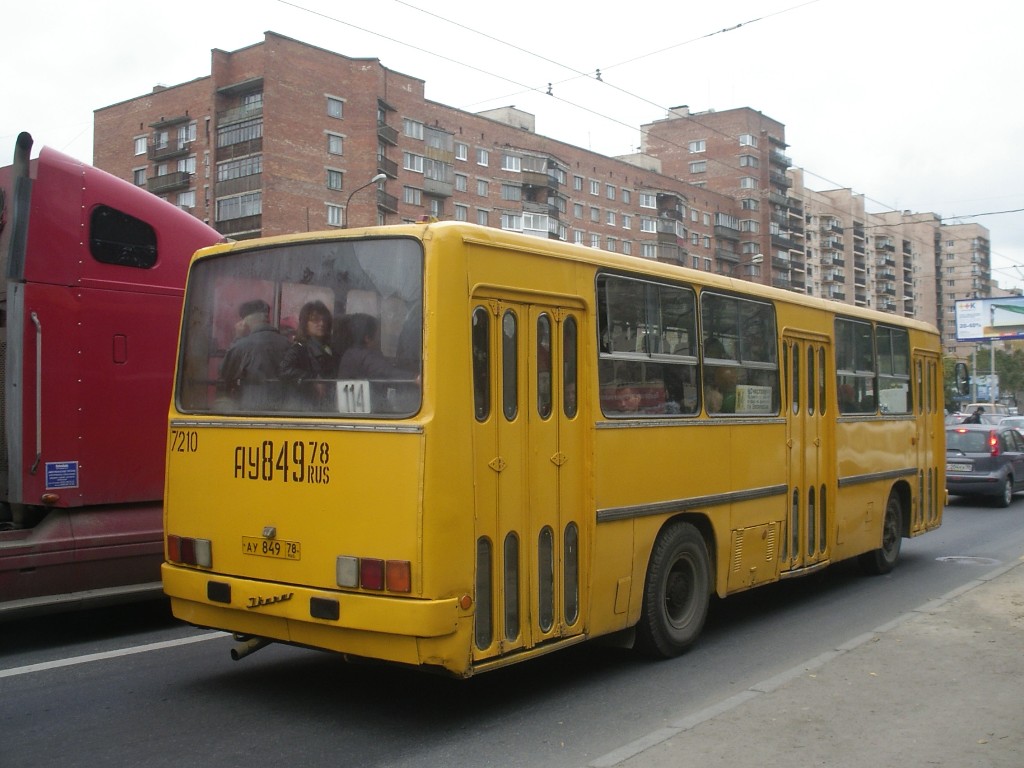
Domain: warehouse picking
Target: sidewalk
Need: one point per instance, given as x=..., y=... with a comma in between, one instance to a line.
x=941, y=686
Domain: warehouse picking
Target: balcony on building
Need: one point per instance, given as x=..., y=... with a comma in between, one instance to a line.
x=162, y=145
x=242, y=228
x=169, y=182
x=388, y=167
x=386, y=202
x=779, y=180
x=546, y=207
x=672, y=253
x=781, y=262
x=781, y=240
x=250, y=183
x=884, y=244
x=782, y=281
x=539, y=171
x=727, y=232
x=671, y=205
x=778, y=157
x=387, y=134
x=776, y=198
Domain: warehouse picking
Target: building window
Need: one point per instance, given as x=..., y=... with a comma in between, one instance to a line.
x=334, y=215
x=187, y=165
x=595, y=187
x=236, y=169
x=334, y=179
x=595, y=240
x=186, y=134
x=577, y=183
x=187, y=199
x=647, y=224
x=748, y=182
x=481, y=217
x=412, y=195
x=461, y=182
x=627, y=221
x=595, y=215
x=461, y=151
x=511, y=192
x=700, y=166
x=412, y=162
x=239, y=206
x=748, y=140
x=512, y=222
x=577, y=210
x=140, y=145
x=749, y=161
x=627, y=196
x=647, y=200
x=649, y=250
x=483, y=157
x=609, y=218
x=435, y=206
x=334, y=107
x=707, y=244
x=750, y=204
x=412, y=128
x=139, y=177
x=609, y=191
x=511, y=163
x=700, y=145
x=627, y=247
x=461, y=212
x=334, y=144
x=481, y=188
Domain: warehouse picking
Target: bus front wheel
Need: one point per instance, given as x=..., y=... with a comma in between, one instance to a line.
x=676, y=592
x=880, y=561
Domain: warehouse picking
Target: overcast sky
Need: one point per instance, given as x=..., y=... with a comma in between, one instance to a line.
x=916, y=105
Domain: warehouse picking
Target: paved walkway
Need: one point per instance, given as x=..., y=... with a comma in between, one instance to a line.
x=941, y=686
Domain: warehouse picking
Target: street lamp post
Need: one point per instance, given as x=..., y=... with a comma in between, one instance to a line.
x=757, y=258
x=374, y=180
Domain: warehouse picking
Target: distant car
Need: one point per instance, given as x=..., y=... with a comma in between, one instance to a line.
x=998, y=408
x=1017, y=422
x=984, y=460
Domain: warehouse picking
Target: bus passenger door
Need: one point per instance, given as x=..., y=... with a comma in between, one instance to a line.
x=806, y=539
x=929, y=427
x=528, y=477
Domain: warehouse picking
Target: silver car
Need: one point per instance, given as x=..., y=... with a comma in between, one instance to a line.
x=984, y=460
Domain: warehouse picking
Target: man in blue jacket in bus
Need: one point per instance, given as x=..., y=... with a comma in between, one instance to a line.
x=251, y=365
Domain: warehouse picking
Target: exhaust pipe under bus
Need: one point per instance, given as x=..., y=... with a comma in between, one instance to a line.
x=248, y=645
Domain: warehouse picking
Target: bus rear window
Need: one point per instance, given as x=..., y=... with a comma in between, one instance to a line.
x=324, y=328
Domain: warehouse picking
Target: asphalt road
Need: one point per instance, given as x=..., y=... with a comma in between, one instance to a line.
x=130, y=685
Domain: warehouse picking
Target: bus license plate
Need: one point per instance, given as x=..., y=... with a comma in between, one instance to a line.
x=284, y=550
x=958, y=467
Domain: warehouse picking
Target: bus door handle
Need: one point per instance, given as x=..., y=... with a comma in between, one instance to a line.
x=39, y=391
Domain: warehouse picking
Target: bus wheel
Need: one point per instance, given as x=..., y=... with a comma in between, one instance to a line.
x=882, y=560
x=676, y=592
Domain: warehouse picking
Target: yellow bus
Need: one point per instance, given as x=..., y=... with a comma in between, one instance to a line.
x=510, y=445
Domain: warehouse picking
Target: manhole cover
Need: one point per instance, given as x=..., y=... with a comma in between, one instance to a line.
x=964, y=560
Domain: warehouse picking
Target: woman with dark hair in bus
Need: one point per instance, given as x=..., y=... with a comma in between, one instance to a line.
x=309, y=363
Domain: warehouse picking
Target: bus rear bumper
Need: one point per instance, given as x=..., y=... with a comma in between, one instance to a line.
x=373, y=626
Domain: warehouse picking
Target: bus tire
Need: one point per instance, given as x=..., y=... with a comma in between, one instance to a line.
x=881, y=561
x=676, y=592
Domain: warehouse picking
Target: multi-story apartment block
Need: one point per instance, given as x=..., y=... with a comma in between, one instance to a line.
x=284, y=137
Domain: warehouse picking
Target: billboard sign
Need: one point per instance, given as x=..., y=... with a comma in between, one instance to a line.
x=984, y=319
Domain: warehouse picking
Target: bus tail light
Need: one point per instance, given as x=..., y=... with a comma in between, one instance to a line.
x=189, y=551
x=374, y=573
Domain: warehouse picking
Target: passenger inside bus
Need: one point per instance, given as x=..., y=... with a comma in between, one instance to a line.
x=361, y=357
x=309, y=365
x=250, y=371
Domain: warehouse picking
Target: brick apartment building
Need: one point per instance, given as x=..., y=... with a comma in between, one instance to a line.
x=284, y=137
